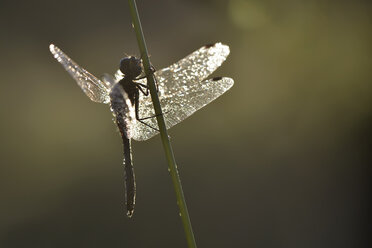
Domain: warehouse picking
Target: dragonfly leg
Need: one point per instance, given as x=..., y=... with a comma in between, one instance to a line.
x=136, y=106
x=153, y=69
x=144, y=123
x=149, y=117
x=153, y=116
x=139, y=86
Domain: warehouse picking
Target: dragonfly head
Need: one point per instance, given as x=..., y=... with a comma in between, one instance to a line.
x=131, y=66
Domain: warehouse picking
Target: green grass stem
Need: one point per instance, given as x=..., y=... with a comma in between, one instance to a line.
x=163, y=130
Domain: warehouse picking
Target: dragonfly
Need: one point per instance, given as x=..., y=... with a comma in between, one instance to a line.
x=183, y=88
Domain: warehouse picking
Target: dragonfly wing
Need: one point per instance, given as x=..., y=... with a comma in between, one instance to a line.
x=193, y=68
x=109, y=81
x=179, y=103
x=94, y=88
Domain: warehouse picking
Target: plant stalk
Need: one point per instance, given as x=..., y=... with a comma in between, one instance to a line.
x=162, y=128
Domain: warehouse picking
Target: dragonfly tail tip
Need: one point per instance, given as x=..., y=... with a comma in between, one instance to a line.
x=130, y=213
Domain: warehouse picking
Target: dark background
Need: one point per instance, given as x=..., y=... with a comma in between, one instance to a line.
x=280, y=160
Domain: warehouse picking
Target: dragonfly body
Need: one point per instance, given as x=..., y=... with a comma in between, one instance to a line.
x=121, y=105
x=182, y=90
x=124, y=95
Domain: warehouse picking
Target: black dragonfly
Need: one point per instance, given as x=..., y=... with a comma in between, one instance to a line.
x=182, y=89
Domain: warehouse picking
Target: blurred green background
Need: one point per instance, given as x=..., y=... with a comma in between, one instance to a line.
x=280, y=160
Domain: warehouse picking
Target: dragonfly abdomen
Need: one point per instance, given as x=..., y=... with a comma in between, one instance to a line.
x=123, y=112
x=130, y=181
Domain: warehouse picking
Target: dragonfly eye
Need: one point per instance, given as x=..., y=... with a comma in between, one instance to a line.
x=130, y=66
x=124, y=65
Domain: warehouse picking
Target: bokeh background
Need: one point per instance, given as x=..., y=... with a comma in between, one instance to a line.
x=281, y=160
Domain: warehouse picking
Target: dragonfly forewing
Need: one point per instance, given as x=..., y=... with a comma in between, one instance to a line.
x=197, y=66
x=192, y=69
x=94, y=88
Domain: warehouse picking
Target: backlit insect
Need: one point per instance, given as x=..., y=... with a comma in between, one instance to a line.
x=182, y=90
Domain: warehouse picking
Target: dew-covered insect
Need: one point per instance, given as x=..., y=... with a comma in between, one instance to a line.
x=182, y=90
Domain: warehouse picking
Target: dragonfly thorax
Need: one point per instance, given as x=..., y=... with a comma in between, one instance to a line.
x=131, y=67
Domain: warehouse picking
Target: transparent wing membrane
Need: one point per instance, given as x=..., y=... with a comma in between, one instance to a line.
x=94, y=88
x=192, y=69
x=179, y=104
